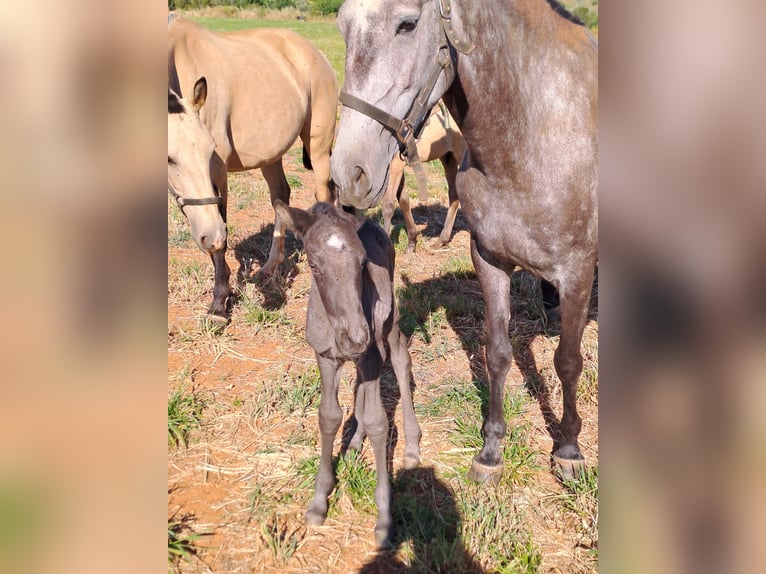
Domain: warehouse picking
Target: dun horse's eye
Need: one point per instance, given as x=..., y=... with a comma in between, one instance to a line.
x=407, y=26
x=170, y=161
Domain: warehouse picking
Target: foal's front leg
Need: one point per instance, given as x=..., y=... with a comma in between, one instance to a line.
x=373, y=418
x=330, y=417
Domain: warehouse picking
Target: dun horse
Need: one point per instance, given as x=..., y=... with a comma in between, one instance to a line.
x=352, y=316
x=265, y=89
x=440, y=139
x=520, y=78
x=189, y=148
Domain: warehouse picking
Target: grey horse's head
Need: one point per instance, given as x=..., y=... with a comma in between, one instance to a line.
x=190, y=150
x=391, y=46
x=337, y=259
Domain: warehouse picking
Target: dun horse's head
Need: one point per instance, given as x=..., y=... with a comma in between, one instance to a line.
x=391, y=48
x=337, y=259
x=190, y=150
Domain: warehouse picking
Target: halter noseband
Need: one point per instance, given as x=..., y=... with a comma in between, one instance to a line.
x=183, y=201
x=406, y=130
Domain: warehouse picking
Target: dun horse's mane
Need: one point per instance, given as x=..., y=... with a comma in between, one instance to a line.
x=175, y=105
x=564, y=13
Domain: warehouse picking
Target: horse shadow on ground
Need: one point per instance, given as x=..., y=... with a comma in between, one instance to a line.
x=252, y=254
x=426, y=518
x=459, y=294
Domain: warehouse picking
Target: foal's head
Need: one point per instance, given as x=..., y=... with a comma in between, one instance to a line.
x=190, y=150
x=337, y=259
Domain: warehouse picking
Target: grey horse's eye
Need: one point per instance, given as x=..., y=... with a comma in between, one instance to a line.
x=407, y=26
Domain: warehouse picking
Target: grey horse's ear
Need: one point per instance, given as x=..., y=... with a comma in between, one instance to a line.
x=200, y=93
x=296, y=219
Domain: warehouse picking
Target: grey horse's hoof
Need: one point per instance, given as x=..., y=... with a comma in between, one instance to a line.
x=216, y=322
x=568, y=468
x=410, y=461
x=383, y=538
x=483, y=473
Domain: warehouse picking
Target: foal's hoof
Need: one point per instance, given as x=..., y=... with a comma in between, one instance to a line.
x=314, y=518
x=382, y=538
x=483, y=473
x=568, y=468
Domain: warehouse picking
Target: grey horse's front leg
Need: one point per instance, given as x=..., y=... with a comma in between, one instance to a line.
x=330, y=416
x=400, y=360
x=496, y=289
x=373, y=418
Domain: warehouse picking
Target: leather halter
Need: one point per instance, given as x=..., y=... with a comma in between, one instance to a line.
x=406, y=130
x=183, y=201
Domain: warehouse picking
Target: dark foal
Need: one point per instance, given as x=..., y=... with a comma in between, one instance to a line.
x=352, y=316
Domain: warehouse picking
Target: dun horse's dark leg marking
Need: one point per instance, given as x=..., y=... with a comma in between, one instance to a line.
x=274, y=175
x=218, y=310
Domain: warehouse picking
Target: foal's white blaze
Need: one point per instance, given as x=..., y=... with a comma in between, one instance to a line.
x=335, y=242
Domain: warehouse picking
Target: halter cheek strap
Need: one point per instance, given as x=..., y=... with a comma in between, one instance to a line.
x=407, y=129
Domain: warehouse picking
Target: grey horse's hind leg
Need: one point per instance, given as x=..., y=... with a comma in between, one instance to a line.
x=496, y=289
x=373, y=417
x=274, y=175
x=402, y=364
x=568, y=362
x=330, y=416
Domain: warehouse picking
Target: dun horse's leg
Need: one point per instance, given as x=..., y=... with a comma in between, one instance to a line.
x=330, y=416
x=400, y=360
x=373, y=418
x=395, y=184
x=568, y=362
x=496, y=289
x=412, y=229
x=450, y=171
x=279, y=189
x=221, y=288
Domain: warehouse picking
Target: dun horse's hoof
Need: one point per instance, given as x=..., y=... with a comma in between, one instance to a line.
x=215, y=322
x=483, y=473
x=568, y=468
x=437, y=243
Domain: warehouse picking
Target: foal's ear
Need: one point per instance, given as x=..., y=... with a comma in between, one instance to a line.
x=298, y=220
x=200, y=93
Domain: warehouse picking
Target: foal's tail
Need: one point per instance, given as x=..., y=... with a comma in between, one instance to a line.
x=306, y=158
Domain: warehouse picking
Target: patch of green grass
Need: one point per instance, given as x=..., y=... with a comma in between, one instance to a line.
x=495, y=524
x=184, y=415
x=460, y=266
x=280, y=536
x=297, y=392
x=181, y=541
x=294, y=182
x=356, y=480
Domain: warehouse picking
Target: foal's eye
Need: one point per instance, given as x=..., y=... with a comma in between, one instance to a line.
x=407, y=26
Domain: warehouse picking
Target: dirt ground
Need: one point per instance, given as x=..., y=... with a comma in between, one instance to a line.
x=245, y=478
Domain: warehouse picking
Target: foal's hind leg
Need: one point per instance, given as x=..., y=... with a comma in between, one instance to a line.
x=279, y=189
x=568, y=363
x=330, y=416
x=496, y=289
x=221, y=289
x=400, y=360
